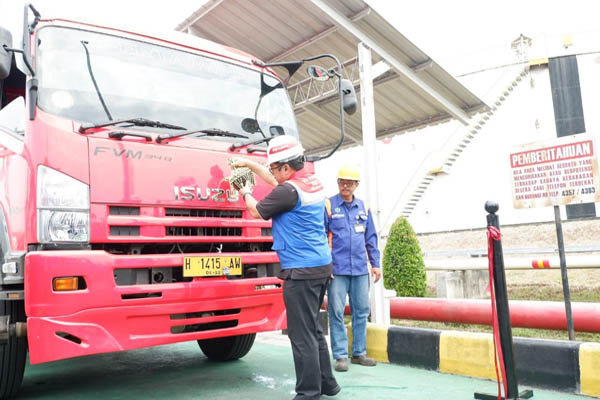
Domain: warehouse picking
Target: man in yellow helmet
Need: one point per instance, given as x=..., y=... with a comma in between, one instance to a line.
x=352, y=237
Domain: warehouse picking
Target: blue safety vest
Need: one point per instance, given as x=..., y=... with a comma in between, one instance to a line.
x=299, y=236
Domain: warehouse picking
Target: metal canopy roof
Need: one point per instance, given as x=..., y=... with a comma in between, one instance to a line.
x=410, y=90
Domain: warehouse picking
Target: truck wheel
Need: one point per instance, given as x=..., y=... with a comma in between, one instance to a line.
x=227, y=348
x=14, y=353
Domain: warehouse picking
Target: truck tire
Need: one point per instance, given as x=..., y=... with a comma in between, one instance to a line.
x=227, y=348
x=14, y=353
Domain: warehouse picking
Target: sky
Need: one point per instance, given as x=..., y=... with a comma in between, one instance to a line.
x=456, y=34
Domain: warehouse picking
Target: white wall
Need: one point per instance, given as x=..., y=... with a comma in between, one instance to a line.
x=456, y=200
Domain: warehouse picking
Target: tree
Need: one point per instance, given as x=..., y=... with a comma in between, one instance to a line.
x=403, y=266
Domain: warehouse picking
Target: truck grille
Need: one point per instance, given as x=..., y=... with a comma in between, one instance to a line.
x=173, y=224
x=125, y=231
x=116, y=210
x=202, y=212
x=159, y=230
x=230, y=322
x=202, y=231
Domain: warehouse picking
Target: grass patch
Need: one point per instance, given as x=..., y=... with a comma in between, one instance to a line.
x=548, y=292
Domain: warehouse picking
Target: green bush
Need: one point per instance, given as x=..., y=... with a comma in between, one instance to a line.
x=403, y=266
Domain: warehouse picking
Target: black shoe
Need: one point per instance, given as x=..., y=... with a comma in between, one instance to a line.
x=331, y=392
x=341, y=365
x=363, y=360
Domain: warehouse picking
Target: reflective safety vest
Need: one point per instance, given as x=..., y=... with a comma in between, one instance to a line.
x=299, y=236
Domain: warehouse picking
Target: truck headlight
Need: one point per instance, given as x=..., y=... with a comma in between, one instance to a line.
x=63, y=226
x=63, y=205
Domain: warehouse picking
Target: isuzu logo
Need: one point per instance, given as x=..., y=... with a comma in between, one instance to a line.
x=196, y=193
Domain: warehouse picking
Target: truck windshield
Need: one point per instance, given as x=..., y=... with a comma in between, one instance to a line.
x=118, y=78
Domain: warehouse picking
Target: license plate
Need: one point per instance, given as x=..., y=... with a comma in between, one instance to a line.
x=212, y=266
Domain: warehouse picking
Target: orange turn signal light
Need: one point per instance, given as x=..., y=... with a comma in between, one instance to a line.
x=65, y=284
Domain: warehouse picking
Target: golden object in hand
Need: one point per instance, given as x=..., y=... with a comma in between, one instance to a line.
x=240, y=177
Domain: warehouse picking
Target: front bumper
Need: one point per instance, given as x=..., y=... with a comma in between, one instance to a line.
x=105, y=317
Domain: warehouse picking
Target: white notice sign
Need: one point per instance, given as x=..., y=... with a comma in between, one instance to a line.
x=555, y=172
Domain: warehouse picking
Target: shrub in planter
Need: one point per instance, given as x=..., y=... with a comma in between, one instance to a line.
x=403, y=266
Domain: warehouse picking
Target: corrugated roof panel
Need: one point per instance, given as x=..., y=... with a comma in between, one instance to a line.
x=286, y=30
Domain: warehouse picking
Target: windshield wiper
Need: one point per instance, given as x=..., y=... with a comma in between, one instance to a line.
x=207, y=132
x=89, y=65
x=132, y=121
x=258, y=141
x=120, y=135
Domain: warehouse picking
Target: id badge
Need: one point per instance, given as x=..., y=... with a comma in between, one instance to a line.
x=359, y=228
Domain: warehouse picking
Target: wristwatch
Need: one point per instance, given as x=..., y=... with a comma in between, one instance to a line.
x=245, y=193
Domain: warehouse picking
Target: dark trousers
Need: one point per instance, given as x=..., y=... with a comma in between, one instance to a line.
x=303, y=299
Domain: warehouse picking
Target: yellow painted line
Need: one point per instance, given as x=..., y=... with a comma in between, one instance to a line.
x=377, y=341
x=468, y=354
x=437, y=170
x=538, y=61
x=349, y=332
x=589, y=368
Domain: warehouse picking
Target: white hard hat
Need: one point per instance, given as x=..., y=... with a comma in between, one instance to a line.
x=284, y=148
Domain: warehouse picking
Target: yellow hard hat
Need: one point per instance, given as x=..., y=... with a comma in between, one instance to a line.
x=349, y=172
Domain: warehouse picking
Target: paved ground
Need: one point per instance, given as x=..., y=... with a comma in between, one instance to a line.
x=180, y=371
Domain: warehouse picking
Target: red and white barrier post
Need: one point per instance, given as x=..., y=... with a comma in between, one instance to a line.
x=503, y=342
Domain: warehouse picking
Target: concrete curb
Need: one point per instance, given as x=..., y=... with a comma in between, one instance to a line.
x=414, y=346
x=589, y=364
x=560, y=365
x=552, y=364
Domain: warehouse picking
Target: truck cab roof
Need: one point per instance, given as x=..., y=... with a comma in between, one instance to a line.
x=164, y=37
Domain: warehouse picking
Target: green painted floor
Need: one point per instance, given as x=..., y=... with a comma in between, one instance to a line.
x=180, y=371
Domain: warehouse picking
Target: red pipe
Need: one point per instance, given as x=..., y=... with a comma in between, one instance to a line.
x=523, y=314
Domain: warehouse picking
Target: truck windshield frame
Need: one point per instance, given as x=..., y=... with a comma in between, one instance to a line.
x=148, y=80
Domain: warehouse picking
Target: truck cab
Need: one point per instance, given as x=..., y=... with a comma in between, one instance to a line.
x=119, y=228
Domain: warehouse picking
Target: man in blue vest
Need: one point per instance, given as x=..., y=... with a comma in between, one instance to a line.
x=352, y=237
x=297, y=207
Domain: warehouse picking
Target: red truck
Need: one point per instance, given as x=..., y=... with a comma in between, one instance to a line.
x=118, y=227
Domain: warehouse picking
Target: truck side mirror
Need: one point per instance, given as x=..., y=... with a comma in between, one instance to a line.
x=348, y=93
x=250, y=125
x=276, y=130
x=348, y=97
x=5, y=55
x=318, y=73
